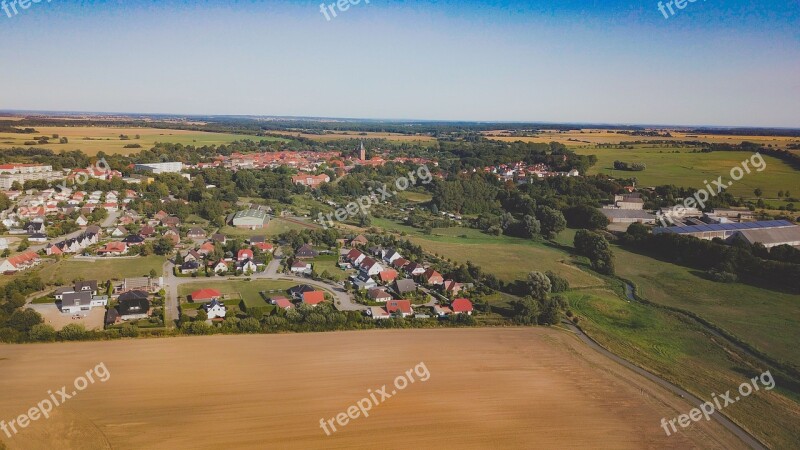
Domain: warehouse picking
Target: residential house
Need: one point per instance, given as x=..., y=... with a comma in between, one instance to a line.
x=362, y=281
x=300, y=267
x=297, y=291
x=404, y=286
x=205, y=295
x=206, y=248
x=371, y=267
x=247, y=266
x=313, y=298
x=82, y=221
x=355, y=256
x=133, y=240
x=400, y=263
x=399, y=307
x=306, y=251
x=189, y=267
x=192, y=255
x=220, y=267
x=391, y=255
x=452, y=287
x=414, y=269
x=215, y=309
x=388, y=275
x=244, y=254
x=219, y=238
x=442, y=311
x=196, y=233
x=378, y=295
x=432, y=277
x=133, y=308
x=377, y=312
x=282, y=302
x=461, y=306
x=113, y=249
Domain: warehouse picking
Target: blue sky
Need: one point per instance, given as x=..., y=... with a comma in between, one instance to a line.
x=716, y=62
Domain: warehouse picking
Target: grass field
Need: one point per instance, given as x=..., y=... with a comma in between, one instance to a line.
x=686, y=355
x=275, y=227
x=691, y=169
x=765, y=319
x=506, y=257
x=248, y=290
x=100, y=269
x=107, y=139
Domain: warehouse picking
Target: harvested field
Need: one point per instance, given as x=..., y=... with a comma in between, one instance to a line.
x=488, y=388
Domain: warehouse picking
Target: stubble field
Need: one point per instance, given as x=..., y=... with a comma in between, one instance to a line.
x=488, y=388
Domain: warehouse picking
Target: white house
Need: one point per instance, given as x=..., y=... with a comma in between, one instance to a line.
x=300, y=267
x=73, y=302
x=376, y=312
x=221, y=267
x=81, y=221
x=247, y=266
x=214, y=309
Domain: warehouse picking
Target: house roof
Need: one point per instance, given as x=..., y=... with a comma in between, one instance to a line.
x=314, y=297
x=283, y=302
x=77, y=298
x=133, y=306
x=431, y=273
x=405, y=285
x=132, y=295
x=403, y=306
x=205, y=294
x=245, y=253
x=461, y=305
x=378, y=293
x=388, y=275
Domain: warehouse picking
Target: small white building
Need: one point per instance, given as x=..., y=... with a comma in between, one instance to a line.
x=215, y=309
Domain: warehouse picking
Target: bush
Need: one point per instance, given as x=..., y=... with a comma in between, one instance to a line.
x=128, y=330
x=72, y=332
x=249, y=325
x=721, y=276
x=42, y=333
x=557, y=283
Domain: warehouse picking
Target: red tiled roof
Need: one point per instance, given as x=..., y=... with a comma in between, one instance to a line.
x=388, y=275
x=461, y=305
x=403, y=306
x=205, y=294
x=313, y=297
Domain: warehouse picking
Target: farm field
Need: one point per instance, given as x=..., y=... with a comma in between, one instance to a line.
x=339, y=135
x=579, y=138
x=506, y=257
x=102, y=269
x=513, y=388
x=689, y=169
x=106, y=139
x=248, y=290
x=687, y=355
x=765, y=319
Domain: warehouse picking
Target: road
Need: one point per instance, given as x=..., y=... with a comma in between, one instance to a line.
x=343, y=300
x=746, y=437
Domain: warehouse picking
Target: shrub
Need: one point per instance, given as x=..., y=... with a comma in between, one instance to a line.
x=72, y=332
x=42, y=332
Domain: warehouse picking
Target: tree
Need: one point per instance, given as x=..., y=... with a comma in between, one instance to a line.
x=558, y=283
x=539, y=285
x=41, y=332
x=596, y=248
x=526, y=311
x=249, y=325
x=551, y=312
x=758, y=192
x=24, y=319
x=553, y=221
x=163, y=246
x=72, y=332
x=531, y=226
x=23, y=245
x=201, y=316
x=153, y=273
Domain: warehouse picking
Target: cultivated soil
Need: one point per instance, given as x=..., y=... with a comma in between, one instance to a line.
x=488, y=388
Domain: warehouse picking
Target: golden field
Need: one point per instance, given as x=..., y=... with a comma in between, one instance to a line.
x=487, y=388
x=590, y=137
x=92, y=140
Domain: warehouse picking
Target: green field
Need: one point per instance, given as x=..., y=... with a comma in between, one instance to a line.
x=689, y=169
x=92, y=140
x=275, y=227
x=506, y=257
x=100, y=269
x=766, y=320
x=329, y=263
x=685, y=354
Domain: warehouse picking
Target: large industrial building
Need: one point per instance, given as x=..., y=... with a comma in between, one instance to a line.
x=10, y=173
x=164, y=167
x=250, y=218
x=771, y=233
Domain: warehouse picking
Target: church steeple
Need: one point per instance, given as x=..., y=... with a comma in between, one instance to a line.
x=362, y=152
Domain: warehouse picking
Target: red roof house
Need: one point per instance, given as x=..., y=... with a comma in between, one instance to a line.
x=313, y=298
x=462, y=305
x=205, y=295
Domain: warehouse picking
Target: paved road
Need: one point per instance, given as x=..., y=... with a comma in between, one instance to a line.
x=746, y=437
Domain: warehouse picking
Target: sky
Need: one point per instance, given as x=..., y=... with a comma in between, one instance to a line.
x=714, y=62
